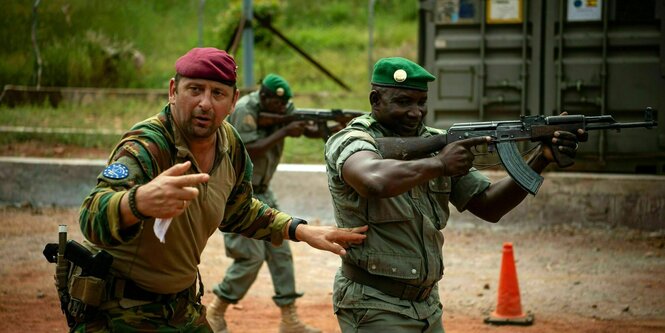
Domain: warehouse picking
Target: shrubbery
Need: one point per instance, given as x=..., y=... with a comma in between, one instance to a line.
x=98, y=43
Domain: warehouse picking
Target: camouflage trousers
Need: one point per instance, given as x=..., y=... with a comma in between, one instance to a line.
x=184, y=313
x=248, y=256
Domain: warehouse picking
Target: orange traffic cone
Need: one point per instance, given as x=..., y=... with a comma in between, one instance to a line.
x=509, y=307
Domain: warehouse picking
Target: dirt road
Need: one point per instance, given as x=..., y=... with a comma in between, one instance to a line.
x=574, y=279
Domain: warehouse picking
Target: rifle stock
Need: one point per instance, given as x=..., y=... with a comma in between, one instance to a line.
x=505, y=135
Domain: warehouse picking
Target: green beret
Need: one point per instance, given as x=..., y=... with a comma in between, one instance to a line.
x=400, y=73
x=278, y=85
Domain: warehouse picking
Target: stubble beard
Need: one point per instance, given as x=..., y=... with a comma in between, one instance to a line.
x=202, y=132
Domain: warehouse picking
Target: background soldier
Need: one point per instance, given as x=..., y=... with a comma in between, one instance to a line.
x=265, y=147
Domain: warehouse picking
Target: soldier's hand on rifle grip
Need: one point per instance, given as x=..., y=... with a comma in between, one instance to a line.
x=563, y=147
x=295, y=128
x=316, y=130
x=457, y=157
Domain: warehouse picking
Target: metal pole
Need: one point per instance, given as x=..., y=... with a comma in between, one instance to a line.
x=202, y=4
x=38, y=57
x=559, y=65
x=248, y=46
x=370, y=48
x=602, y=139
x=525, y=74
x=266, y=24
x=481, y=65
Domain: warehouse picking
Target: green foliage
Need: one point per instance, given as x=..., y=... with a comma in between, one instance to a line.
x=134, y=44
x=156, y=30
x=160, y=31
x=303, y=151
x=228, y=21
x=114, y=114
x=91, y=60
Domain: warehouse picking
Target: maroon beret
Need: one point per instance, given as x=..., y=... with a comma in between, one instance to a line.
x=207, y=63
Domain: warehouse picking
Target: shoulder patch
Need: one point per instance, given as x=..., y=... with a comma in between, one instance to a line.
x=116, y=171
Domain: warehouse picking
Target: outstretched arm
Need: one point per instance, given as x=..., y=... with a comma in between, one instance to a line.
x=328, y=238
x=506, y=194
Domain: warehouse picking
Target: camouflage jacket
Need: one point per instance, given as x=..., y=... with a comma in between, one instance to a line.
x=225, y=202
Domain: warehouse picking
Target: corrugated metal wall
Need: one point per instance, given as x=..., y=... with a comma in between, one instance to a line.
x=499, y=59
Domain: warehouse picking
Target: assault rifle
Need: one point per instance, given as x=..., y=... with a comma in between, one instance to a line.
x=320, y=116
x=504, y=136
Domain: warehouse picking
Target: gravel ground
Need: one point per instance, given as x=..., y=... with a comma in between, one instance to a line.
x=572, y=278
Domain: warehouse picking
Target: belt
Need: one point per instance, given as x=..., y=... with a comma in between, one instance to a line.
x=386, y=285
x=123, y=288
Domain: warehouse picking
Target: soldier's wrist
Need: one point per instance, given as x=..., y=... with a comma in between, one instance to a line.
x=131, y=196
x=293, y=225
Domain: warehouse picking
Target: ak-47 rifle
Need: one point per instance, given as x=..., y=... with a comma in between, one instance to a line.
x=504, y=136
x=320, y=116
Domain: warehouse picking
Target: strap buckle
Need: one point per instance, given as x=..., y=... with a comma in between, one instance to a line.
x=418, y=294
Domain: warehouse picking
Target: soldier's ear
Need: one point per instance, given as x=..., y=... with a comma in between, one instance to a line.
x=374, y=97
x=173, y=87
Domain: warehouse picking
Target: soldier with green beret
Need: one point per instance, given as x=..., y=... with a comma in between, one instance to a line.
x=390, y=282
x=265, y=146
x=170, y=183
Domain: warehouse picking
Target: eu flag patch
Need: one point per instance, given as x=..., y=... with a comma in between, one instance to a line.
x=116, y=171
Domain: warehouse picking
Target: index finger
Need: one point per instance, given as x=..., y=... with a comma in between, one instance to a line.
x=359, y=230
x=178, y=169
x=475, y=141
x=354, y=235
x=190, y=180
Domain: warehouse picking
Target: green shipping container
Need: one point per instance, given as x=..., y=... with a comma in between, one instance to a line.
x=500, y=59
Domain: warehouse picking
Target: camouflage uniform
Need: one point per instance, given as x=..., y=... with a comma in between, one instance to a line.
x=249, y=254
x=170, y=269
x=404, y=241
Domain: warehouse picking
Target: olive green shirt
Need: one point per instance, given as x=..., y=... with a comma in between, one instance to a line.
x=404, y=241
x=245, y=120
x=225, y=202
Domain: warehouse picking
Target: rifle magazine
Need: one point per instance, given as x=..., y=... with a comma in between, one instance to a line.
x=517, y=168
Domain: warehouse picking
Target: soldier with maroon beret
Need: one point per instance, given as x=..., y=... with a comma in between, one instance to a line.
x=170, y=183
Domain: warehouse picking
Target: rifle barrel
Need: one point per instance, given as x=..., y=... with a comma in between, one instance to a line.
x=599, y=119
x=621, y=125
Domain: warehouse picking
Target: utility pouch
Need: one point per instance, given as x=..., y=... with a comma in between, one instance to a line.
x=84, y=288
x=89, y=290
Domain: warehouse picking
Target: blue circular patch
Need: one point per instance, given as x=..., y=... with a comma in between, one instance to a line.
x=116, y=171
